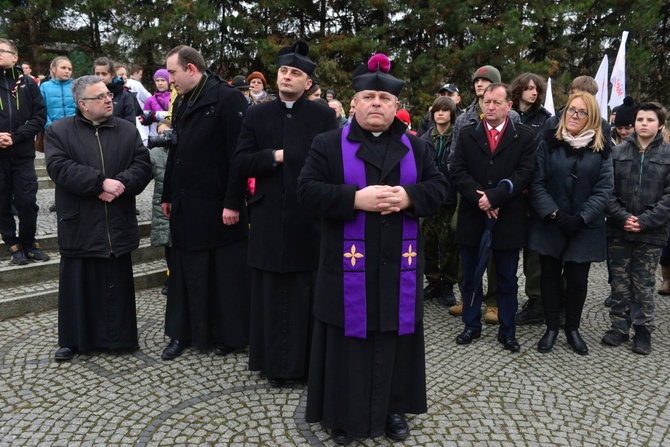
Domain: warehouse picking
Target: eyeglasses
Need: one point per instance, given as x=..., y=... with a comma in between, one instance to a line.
x=581, y=114
x=3, y=51
x=101, y=97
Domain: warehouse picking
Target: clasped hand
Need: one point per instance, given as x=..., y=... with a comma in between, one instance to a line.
x=111, y=189
x=632, y=225
x=383, y=199
x=485, y=206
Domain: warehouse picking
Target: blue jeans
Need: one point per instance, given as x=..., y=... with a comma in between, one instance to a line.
x=18, y=184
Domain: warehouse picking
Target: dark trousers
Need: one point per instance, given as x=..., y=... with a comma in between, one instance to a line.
x=18, y=184
x=507, y=288
x=576, y=283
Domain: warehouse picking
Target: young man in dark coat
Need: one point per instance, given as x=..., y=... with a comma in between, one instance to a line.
x=528, y=90
x=208, y=297
x=99, y=165
x=492, y=164
x=369, y=183
x=22, y=116
x=284, y=238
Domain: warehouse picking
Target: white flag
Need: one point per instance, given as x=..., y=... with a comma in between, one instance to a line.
x=601, y=80
x=618, y=78
x=549, y=99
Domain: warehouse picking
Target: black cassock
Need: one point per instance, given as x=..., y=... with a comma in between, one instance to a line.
x=354, y=383
x=96, y=304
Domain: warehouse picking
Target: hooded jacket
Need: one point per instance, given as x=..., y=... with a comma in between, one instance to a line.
x=642, y=189
x=58, y=99
x=125, y=103
x=22, y=112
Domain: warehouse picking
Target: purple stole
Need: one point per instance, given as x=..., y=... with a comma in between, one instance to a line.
x=354, y=247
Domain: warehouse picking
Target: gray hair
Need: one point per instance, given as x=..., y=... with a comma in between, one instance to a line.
x=79, y=86
x=338, y=103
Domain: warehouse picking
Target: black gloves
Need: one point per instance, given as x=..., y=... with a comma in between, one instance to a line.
x=569, y=224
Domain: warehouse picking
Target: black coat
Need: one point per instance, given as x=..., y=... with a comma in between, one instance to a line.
x=323, y=193
x=283, y=236
x=125, y=103
x=573, y=181
x=79, y=157
x=199, y=177
x=534, y=118
x=473, y=167
x=23, y=115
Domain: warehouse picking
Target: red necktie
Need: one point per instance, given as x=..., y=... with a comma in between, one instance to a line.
x=494, y=138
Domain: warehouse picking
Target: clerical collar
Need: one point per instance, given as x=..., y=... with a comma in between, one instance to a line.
x=288, y=104
x=376, y=134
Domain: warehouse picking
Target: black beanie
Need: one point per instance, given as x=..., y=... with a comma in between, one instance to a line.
x=625, y=114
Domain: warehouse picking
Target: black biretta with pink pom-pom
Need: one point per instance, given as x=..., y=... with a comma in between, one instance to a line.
x=375, y=76
x=296, y=56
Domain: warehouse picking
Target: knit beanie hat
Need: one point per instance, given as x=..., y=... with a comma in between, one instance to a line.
x=257, y=75
x=487, y=72
x=403, y=115
x=162, y=73
x=625, y=114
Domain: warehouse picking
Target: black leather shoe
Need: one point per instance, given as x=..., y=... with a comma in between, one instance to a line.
x=576, y=342
x=277, y=383
x=340, y=437
x=174, y=349
x=223, y=350
x=509, y=343
x=547, y=341
x=396, y=427
x=64, y=353
x=466, y=337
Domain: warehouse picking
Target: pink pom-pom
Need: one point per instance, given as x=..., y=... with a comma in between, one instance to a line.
x=379, y=62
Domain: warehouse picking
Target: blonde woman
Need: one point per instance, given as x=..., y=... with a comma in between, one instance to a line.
x=572, y=184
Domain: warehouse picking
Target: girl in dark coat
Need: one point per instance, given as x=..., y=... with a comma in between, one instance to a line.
x=573, y=181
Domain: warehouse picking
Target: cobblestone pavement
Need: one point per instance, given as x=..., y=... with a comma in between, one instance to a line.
x=479, y=395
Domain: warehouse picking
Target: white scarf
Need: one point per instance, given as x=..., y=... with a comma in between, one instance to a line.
x=581, y=140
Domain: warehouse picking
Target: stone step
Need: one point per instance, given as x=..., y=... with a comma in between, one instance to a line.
x=38, y=272
x=45, y=183
x=22, y=299
x=50, y=242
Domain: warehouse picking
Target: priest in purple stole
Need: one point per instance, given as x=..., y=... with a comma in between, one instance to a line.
x=369, y=183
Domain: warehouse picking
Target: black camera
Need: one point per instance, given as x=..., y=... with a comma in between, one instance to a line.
x=169, y=138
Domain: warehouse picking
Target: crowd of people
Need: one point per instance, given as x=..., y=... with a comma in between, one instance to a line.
x=312, y=236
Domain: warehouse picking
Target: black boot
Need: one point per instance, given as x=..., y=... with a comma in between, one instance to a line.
x=447, y=298
x=432, y=290
x=576, y=341
x=547, y=341
x=642, y=340
x=531, y=313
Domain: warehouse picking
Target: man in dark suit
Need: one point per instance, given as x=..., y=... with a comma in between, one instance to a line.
x=492, y=164
x=284, y=238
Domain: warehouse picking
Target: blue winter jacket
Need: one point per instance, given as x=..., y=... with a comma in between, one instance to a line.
x=58, y=99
